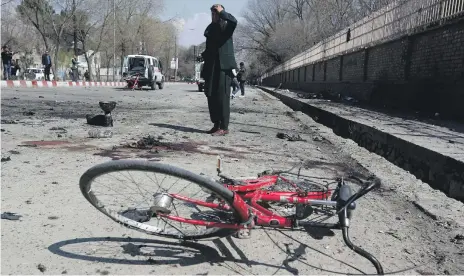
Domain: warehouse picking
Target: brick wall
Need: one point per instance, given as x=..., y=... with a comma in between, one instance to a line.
x=387, y=62
x=439, y=53
x=319, y=71
x=353, y=66
x=423, y=72
x=333, y=69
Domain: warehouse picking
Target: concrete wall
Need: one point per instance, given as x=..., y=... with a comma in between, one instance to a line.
x=423, y=72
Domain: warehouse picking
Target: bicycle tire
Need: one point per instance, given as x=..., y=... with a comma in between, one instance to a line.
x=141, y=165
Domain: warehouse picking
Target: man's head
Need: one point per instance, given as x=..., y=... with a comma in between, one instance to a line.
x=215, y=9
x=46, y=52
x=242, y=64
x=5, y=48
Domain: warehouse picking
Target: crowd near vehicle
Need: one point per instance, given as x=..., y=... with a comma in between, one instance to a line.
x=143, y=70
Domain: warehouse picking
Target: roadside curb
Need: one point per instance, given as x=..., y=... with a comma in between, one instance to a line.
x=439, y=171
x=34, y=84
x=51, y=84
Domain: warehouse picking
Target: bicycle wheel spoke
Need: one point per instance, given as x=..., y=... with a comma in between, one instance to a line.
x=127, y=195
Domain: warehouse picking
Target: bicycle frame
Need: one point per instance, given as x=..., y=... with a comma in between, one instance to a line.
x=133, y=83
x=250, y=190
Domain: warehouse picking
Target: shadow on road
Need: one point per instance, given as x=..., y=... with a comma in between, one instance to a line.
x=137, y=251
x=121, y=250
x=179, y=128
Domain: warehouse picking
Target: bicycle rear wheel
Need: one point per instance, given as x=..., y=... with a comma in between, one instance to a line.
x=137, y=212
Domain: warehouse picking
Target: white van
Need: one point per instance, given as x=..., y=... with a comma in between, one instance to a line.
x=149, y=68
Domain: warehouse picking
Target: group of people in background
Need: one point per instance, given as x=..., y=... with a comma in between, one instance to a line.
x=11, y=67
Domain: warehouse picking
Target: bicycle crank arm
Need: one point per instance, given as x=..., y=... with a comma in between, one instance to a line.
x=319, y=224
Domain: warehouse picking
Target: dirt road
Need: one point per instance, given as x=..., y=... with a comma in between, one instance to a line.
x=61, y=233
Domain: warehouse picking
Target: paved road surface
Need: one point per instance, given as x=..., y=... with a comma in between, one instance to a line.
x=59, y=231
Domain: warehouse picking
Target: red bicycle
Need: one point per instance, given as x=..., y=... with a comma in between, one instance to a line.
x=133, y=82
x=218, y=208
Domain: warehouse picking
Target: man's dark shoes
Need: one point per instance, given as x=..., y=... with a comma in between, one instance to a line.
x=220, y=132
x=213, y=130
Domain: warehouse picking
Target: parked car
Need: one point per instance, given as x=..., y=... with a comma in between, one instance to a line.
x=149, y=69
x=36, y=74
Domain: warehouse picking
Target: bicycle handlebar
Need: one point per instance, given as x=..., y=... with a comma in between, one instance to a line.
x=369, y=186
x=344, y=204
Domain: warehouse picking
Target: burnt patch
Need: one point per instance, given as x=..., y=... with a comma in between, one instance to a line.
x=45, y=143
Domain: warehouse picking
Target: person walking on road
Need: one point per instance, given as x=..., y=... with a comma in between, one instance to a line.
x=7, y=57
x=242, y=78
x=47, y=63
x=235, y=84
x=219, y=60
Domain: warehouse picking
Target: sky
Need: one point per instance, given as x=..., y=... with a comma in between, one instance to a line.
x=193, y=16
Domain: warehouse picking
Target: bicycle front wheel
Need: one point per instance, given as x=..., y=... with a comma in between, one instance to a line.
x=138, y=194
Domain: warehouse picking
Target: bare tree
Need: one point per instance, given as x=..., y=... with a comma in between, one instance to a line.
x=91, y=28
x=37, y=13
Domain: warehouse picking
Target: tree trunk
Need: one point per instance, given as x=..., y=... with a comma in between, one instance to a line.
x=89, y=64
x=123, y=53
x=55, y=61
x=108, y=62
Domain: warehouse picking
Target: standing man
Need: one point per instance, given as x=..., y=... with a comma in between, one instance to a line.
x=47, y=63
x=7, y=56
x=74, y=68
x=219, y=60
x=242, y=78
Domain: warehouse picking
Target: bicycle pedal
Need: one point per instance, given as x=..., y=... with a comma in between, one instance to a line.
x=243, y=234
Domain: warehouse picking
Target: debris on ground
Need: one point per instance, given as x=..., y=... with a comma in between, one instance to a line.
x=98, y=133
x=41, y=267
x=289, y=137
x=10, y=216
x=3, y=130
x=8, y=122
x=458, y=239
x=145, y=143
x=29, y=146
x=41, y=97
x=61, y=129
x=14, y=152
x=151, y=261
x=249, y=131
x=28, y=113
x=5, y=159
x=317, y=138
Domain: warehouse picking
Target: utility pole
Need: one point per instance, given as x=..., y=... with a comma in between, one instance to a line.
x=175, y=60
x=194, y=62
x=114, y=40
x=74, y=26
